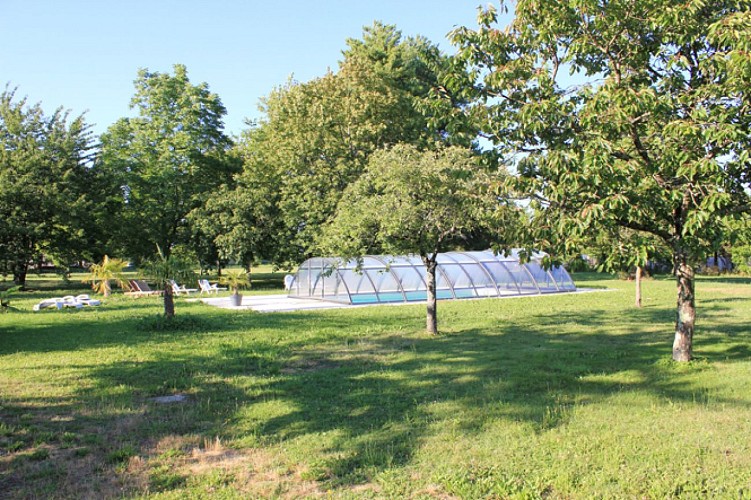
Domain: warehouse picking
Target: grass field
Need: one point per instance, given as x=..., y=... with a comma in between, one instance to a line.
x=568, y=396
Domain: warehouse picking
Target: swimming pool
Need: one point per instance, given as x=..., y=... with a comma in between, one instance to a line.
x=459, y=275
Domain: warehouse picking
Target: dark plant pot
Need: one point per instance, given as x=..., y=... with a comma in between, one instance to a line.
x=236, y=299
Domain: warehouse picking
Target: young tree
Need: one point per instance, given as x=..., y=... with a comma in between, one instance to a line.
x=621, y=249
x=164, y=268
x=48, y=191
x=169, y=159
x=651, y=134
x=413, y=202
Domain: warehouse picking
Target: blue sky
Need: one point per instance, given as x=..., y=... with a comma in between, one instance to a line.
x=84, y=55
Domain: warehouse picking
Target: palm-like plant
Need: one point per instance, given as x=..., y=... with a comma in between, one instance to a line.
x=235, y=279
x=5, y=296
x=108, y=270
x=162, y=269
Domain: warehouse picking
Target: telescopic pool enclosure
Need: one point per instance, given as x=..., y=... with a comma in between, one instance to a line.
x=459, y=275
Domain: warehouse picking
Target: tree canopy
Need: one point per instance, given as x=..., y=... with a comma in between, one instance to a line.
x=413, y=202
x=316, y=137
x=50, y=192
x=623, y=113
x=169, y=159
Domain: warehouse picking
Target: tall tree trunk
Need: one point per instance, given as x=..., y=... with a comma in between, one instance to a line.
x=686, y=310
x=169, y=302
x=638, y=286
x=19, y=275
x=432, y=314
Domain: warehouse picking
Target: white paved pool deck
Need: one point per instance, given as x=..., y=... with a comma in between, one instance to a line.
x=283, y=303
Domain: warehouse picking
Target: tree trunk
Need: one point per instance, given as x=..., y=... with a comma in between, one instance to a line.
x=638, y=285
x=169, y=302
x=19, y=273
x=432, y=316
x=107, y=288
x=686, y=311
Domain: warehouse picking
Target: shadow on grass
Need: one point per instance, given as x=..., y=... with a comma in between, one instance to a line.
x=279, y=377
x=518, y=374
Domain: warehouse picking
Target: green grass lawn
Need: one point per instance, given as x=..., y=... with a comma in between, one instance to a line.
x=555, y=396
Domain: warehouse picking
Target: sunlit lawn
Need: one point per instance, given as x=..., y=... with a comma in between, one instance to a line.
x=555, y=396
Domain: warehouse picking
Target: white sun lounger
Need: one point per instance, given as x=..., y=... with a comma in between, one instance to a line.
x=209, y=287
x=87, y=301
x=178, y=289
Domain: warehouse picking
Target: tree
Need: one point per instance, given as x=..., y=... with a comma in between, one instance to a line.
x=316, y=137
x=169, y=159
x=162, y=269
x=241, y=220
x=48, y=186
x=651, y=133
x=413, y=202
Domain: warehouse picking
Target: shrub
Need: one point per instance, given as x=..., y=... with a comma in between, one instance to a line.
x=741, y=256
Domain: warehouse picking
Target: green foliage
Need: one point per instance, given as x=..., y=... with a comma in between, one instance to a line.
x=649, y=131
x=316, y=137
x=409, y=201
x=169, y=158
x=241, y=220
x=52, y=199
x=625, y=152
x=161, y=269
x=108, y=270
x=416, y=202
x=122, y=454
x=619, y=249
x=741, y=257
x=235, y=279
x=5, y=298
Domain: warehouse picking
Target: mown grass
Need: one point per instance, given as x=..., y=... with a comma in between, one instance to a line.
x=569, y=396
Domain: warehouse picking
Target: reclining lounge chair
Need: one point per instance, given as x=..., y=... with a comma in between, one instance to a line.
x=208, y=287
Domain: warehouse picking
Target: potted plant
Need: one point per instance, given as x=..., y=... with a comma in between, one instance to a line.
x=235, y=279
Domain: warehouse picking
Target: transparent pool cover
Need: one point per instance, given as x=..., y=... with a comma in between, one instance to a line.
x=460, y=275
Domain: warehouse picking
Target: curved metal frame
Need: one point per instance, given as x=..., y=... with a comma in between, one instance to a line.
x=319, y=274
x=398, y=282
x=485, y=270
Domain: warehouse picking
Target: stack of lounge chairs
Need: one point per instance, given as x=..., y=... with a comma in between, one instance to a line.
x=68, y=301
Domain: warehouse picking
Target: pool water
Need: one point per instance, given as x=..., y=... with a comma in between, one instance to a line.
x=417, y=296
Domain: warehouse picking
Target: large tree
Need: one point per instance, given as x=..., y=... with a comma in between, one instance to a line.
x=51, y=196
x=315, y=138
x=416, y=202
x=626, y=112
x=170, y=159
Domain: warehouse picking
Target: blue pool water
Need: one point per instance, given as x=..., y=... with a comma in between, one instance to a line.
x=373, y=298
